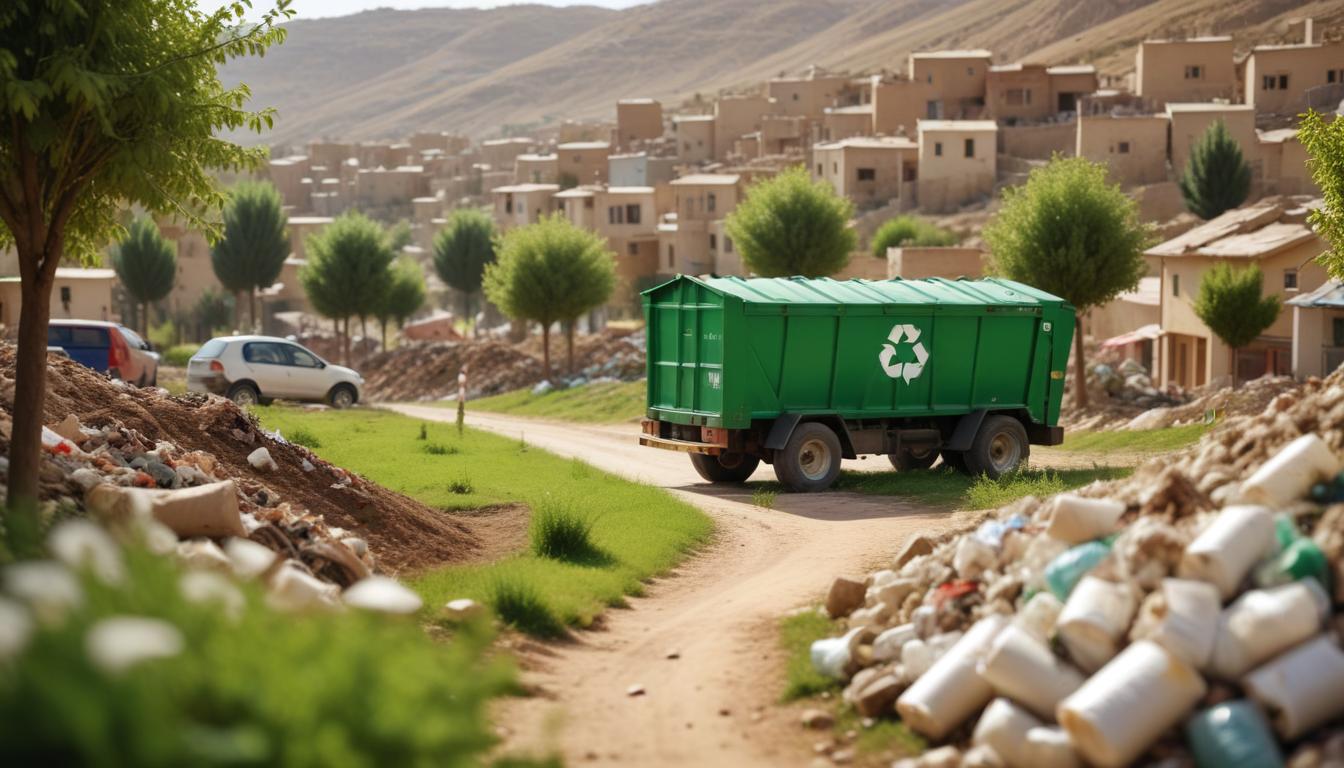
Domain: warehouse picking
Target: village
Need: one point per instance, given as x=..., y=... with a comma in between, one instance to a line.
x=330, y=474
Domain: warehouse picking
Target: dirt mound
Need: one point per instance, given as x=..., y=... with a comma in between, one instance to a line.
x=403, y=533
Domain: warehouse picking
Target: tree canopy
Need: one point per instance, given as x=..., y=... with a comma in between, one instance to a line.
x=1231, y=303
x=1324, y=142
x=1069, y=232
x=405, y=294
x=462, y=250
x=549, y=272
x=254, y=245
x=105, y=104
x=1216, y=177
x=146, y=264
x=348, y=271
x=791, y=225
x=910, y=231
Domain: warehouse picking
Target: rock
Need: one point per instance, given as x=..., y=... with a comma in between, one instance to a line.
x=893, y=593
x=844, y=597
x=635, y=690
x=204, y=555
x=878, y=696
x=247, y=558
x=307, y=466
x=462, y=609
x=817, y=719
x=383, y=595
x=916, y=547
x=164, y=475
x=942, y=757
x=69, y=428
x=261, y=459
x=843, y=756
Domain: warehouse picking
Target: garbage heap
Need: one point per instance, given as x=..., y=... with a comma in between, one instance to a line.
x=1191, y=612
x=1131, y=382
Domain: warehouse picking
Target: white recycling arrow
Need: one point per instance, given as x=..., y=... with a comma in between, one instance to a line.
x=907, y=333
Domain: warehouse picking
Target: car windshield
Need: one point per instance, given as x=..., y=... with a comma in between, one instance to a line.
x=211, y=348
x=132, y=338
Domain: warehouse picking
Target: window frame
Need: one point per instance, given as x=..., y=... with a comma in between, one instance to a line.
x=968, y=148
x=865, y=174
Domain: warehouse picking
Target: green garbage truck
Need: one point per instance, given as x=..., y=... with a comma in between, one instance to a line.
x=801, y=373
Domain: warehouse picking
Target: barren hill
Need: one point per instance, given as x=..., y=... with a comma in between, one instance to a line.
x=384, y=73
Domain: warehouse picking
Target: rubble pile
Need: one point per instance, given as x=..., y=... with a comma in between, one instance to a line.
x=113, y=449
x=1191, y=613
x=1129, y=381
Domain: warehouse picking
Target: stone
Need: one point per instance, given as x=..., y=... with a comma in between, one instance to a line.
x=893, y=593
x=916, y=547
x=877, y=697
x=635, y=690
x=673, y=655
x=942, y=757
x=462, y=609
x=844, y=597
x=843, y=756
x=261, y=459
x=817, y=719
x=382, y=595
x=163, y=475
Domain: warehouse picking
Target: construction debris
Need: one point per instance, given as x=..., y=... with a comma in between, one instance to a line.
x=1189, y=613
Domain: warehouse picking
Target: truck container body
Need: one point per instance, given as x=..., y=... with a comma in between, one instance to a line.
x=732, y=356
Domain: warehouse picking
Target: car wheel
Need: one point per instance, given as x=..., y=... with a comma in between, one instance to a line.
x=810, y=461
x=913, y=458
x=244, y=395
x=342, y=396
x=726, y=467
x=999, y=447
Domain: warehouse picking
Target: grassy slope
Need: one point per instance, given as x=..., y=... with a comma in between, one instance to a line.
x=1138, y=440
x=642, y=530
x=602, y=403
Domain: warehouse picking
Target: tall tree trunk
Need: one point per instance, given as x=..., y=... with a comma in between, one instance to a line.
x=546, y=351
x=569, y=346
x=1232, y=365
x=144, y=318
x=30, y=386
x=384, y=324
x=1079, y=366
x=345, y=343
x=237, y=311
x=252, y=308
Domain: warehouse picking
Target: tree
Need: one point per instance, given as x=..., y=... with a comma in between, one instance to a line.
x=146, y=264
x=348, y=271
x=1231, y=304
x=551, y=271
x=399, y=236
x=105, y=104
x=1068, y=232
x=405, y=295
x=462, y=250
x=791, y=225
x=213, y=310
x=1216, y=177
x=910, y=231
x=252, y=251
x=1324, y=142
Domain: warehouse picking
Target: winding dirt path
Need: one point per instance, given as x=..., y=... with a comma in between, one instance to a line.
x=716, y=703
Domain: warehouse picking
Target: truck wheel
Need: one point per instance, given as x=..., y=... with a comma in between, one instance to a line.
x=917, y=458
x=955, y=460
x=724, y=468
x=999, y=447
x=810, y=461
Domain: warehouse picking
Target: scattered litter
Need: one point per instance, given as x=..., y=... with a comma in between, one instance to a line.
x=118, y=643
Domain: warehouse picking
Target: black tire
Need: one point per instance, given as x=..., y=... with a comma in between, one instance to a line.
x=342, y=396
x=810, y=461
x=244, y=395
x=909, y=459
x=1000, y=447
x=955, y=460
x=726, y=467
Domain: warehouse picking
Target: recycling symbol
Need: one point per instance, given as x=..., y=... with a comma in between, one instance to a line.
x=887, y=357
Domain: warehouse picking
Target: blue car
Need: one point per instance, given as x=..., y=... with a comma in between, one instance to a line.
x=105, y=347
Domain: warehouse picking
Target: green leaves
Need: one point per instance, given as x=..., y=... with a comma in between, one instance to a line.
x=1231, y=303
x=145, y=262
x=790, y=225
x=550, y=271
x=348, y=268
x=252, y=251
x=1217, y=177
x=405, y=293
x=1324, y=142
x=464, y=248
x=910, y=231
x=1067, y=231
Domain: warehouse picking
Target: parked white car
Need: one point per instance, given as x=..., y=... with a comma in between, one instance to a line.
x=257, y=369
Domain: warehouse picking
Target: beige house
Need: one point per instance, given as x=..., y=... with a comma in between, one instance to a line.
x=691, y=239
x=1285, y=164
x=867, y=170
x=950, y=262
x=627, y=217
x=1318, y=330
x=957, y=162
x=1272, y=234
x=640, y=170
x=292, y=178
x=735, y=117
x=695, y=138
x=500, y=154
x=450, y=144
x=782, y=134
x=1032, y=92
x=845, y=122
x=1198, y=69
x=1189, y=122
x=76, y=294
x=536, y=169
x=390, y=188
x=195, y=273
x=807, y=96
x=1279, y=77
x=1133, y=147
x=583, y=162
x=329, y=154
x=638, y=120
x=957, y=79
x=517, y=205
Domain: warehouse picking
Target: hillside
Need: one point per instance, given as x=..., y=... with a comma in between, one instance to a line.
x=384, y=73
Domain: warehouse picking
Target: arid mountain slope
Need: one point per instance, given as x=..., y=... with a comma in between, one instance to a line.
x=385, y=73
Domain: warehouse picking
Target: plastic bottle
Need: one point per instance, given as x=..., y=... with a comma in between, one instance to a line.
x=1075, y=519
x=951, y=691
x=1290, y=474
x=1233, y=734
x=1301, y=687
x=1065, y=571
x=1300, y=559
x=1225, y=551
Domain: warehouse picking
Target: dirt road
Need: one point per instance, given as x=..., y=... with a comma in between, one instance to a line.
x=716, y=704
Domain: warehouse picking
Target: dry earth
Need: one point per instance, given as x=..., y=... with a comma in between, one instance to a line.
x=716, y=704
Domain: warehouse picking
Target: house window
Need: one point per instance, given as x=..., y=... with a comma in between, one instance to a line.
x=835, y=167
x=710, y=202
x=1290, y=279
x=866, y=174
x=727, y=244
x=508, y=204
x=819, y=169
x=1274, y=83
x=615, y=215
x=1334, y=76
x=671, y=256
x=795, y=97
x=632, y=214
x=970, y=147
x=1194, y=72
x=578, y=159
x=1175, y=285
x=713, y=242
x=1337, y=326
x=632, y=249
x=1123, y=148
x=970, y=71
x=588, y=203
x=938, y=148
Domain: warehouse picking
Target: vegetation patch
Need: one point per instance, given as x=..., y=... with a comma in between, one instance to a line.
x=640, y=531
x=305, y=437
x=518, y=604
x=179, y=355
x=599, y=403
x=1135, y=440
x=906, y=230
x=561, y=532
x=763, y=497
x=796, y=635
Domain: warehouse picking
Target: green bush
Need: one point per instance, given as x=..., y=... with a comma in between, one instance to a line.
x=304, y=437
x=562, y=533
x=913, y=231
x=462, y=487
x=439, y=449
x=519, y=604
x=163, y=335
x=179, y=355
x=250, y=687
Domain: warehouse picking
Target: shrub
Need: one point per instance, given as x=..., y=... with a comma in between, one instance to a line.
x=763, y=497
x=519, y=605
x=439, y=449
x=462, y=487
x=1217, y=177
x=561, y=533
x=163, y=335
x=912, y=231
x=792, y=225
x=179, y=355
x=250, y=687
x=304, y=437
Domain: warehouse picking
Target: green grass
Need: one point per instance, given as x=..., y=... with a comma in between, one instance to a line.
x=641, y=531
x=1136, y=440
x=561, y=532
x=302, y=436
x=796, y=635
x=602, y=403
x=763, y=497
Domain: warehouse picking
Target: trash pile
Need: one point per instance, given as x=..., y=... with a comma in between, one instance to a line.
x=115, y=452
x=420, y=372
x=1129, y=381
x=1190, y=613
